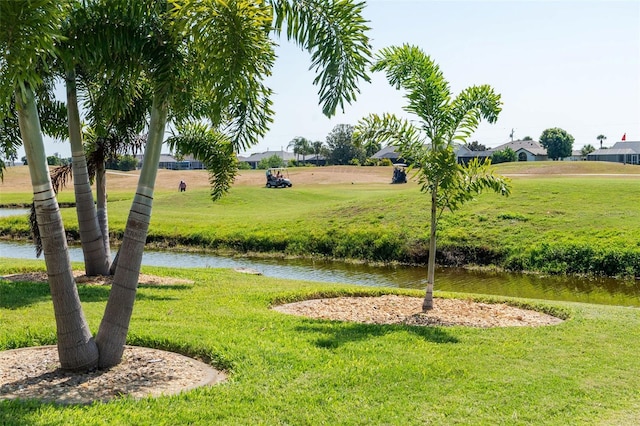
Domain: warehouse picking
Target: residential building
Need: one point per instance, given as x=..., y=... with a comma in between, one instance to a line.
x=254, y=159
x=525, y=150
x=625, y=152
x=169, y=162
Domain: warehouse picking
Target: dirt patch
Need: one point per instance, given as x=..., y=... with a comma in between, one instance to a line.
x=34, y=373
x=394, y=309
x=17, y=178
x=81, y=278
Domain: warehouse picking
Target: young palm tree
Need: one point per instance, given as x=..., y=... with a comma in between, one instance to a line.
x=444, y=121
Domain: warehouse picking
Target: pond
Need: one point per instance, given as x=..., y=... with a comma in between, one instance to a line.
x=6, y=212
x=597, y=290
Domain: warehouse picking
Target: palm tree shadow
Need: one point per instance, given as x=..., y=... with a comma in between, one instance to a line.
x=14, y=295
x=336, y=333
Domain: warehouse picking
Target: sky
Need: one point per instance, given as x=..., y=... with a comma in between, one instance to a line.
x=564, y=63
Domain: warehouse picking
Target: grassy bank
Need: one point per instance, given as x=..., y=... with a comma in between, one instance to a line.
x=291, y=370
x=561, y=218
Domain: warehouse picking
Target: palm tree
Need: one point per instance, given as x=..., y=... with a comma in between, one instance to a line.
x=237, y=103
x=28, y=33
x=601, y=138
x=182, y=49
x=587, y=149
x=301, y=146
x=317, y=148
x=444, y=121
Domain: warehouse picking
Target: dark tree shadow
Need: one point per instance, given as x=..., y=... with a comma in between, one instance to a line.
x=335, y=334
x=14, y=295
x=20, y=294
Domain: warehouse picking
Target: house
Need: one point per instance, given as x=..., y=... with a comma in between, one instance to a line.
x=169, y=162
x=576, y=156
x=316, y=160
x=464, y=154
x=254, y=159
x=625, y=152
x=525, y=150
x=388, y=152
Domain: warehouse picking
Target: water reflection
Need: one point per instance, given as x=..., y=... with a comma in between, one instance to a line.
x=6, y=212
x=601, y=291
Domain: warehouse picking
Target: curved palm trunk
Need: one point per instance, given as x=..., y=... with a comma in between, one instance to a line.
x=112, y=333
x=95, y=260
x=76, y=348
x=427, y=304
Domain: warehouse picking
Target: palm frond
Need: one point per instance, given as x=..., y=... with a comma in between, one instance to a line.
x=470, y=106
x=35, y=231
x=60, y=176
x=335, y=33
x=214, y=149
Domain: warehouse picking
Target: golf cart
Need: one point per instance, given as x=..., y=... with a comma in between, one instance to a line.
x=278, y=177
x=399, y=173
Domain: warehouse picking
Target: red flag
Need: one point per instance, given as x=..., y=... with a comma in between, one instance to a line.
x=624, y=137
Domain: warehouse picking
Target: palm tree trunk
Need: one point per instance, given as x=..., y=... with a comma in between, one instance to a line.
x=76, y=348
x=427, y=304
x=114, y=327
x=95, y=260
x=101, y=206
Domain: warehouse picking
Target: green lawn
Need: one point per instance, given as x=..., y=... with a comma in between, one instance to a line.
x=292, y=370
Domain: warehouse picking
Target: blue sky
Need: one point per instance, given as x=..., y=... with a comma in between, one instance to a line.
x=568, y=64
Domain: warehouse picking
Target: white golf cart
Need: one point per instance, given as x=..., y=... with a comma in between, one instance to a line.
x=278, y=177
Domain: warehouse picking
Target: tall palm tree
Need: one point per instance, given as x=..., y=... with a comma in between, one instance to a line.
x=96, y=259
x=182, y=48
x=601, y=138
x=237, y=103
x=444, y=121
x=28, y=33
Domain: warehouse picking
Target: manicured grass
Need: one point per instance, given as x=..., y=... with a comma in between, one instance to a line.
x=293, y=370
x=585, y=221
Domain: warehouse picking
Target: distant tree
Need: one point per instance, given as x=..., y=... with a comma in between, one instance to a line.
x=587, y=149
x=476, y=146
x=506, y=155
x=301, y=146
x=557, y=142
x=268, y=162
x=53, y=160
x=601, y=138
x=527, y=138
x=317, y=148
x=127, y=162
x=371, y=147
x=342, y=148
x=243, y=165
